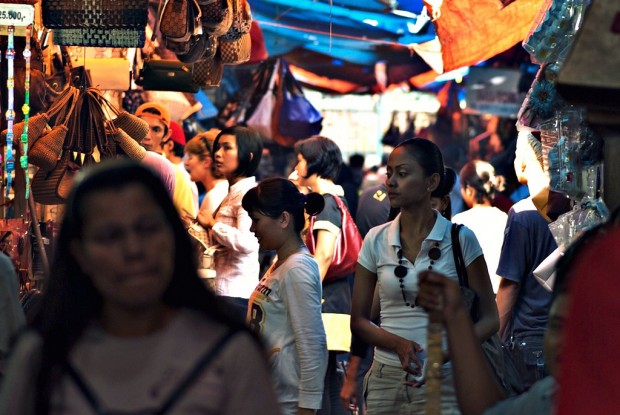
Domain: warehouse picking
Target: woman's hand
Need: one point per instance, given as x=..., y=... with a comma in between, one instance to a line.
x=406, y=351
x=439, y=293
x=205, y=219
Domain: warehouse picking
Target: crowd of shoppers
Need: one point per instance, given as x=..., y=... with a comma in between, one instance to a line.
x=126, y=324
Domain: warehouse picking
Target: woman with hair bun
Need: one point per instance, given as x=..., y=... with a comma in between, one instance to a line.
x=478, y=187
x=285, y=308
x=391, y=258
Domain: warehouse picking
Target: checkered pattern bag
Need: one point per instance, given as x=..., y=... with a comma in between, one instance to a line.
x=208, y=73
x=107, y=14
x=237, y=51
x=242, y=20
x=217, y=16
x=99, y=37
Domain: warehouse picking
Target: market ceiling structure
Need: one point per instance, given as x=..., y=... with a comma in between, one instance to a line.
x=365, y=45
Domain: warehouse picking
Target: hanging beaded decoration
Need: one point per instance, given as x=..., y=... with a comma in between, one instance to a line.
x=23, y=160
x=9, y=161
x=400, y=271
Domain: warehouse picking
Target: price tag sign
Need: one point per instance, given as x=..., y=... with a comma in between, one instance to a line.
x=16, y=14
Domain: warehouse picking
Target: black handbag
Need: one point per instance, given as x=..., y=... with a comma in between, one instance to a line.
x=498, y=358
x=167, y=75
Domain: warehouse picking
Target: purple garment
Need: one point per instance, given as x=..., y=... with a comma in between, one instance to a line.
x=163, y=168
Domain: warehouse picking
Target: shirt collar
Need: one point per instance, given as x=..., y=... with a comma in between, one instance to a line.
x=436, y=234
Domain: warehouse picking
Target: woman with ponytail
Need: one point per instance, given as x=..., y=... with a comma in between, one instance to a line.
x=479, y=185
x=285, y=307
x=391, y=258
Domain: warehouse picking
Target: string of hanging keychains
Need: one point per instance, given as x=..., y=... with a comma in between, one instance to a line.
x=9, y=161
x=23, y=159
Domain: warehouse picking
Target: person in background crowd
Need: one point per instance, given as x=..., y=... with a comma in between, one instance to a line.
x=125, y=324
x=478, y=187
x=318, y=164
x=350, y=178
x=391, y=257
x=373, y=208
x=522, y=302
x=12, y=317
x=238, y=151
x=285, y=308
x=7, y=248
x=173, y=149
x=158, y=118
x=201, y=167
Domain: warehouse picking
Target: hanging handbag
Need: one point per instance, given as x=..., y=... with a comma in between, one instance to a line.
x=167, y=75
x=208, y=73
x=297, y=117
x=105, y=14
x=217, y=16
x=498, y=358
x=241, y=21
x=347, y=246
x=260, y=120
x=392, y=136
x=46, y=150
x=235, y=52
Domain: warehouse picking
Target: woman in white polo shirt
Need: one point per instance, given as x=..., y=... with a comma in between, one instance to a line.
x=391, y=258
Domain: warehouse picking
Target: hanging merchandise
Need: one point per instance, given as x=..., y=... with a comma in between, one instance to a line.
x=23, y=159
x=39, y=98
x=236, y=44
x=113, y=23
x=9, y=161
x=167, y=75
x=392, y=136
x=260, y=120
x=87, y=128
x=554, y=29
x=295, y=117
x=208, y=73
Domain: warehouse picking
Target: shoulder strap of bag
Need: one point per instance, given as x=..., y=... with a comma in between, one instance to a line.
x=202, y=364
x=459, y=262
x=198, y=368
x=86, y=390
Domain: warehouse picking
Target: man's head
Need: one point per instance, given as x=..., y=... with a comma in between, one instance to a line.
x=528, y=156
x=174, y=145
x=158, y=118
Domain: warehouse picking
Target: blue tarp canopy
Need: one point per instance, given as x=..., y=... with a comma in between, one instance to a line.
x=326, y=39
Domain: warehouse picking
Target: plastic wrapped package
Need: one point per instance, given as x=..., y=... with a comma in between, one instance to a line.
x=554, y=30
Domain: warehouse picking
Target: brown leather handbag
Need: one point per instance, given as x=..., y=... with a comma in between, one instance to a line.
x=346, y=248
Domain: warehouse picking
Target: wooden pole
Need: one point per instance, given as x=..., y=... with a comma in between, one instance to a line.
x=434, y=355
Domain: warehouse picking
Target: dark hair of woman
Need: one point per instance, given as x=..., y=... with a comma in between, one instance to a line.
x=249, y=149
x=271, y=197
x=71, y=302
x=444, y=191
x=322, y=155
x=479, y=175
x=429, y=157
